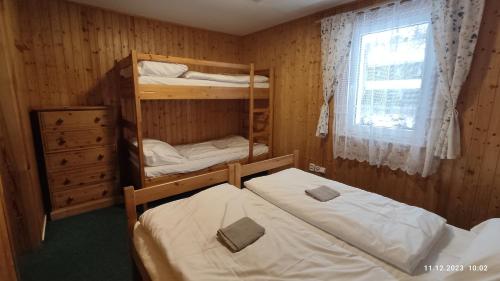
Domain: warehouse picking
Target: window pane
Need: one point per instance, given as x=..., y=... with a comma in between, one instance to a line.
x=390, y=77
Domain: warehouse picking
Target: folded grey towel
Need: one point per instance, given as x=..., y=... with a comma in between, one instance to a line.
x=240, y=234
x=322, y=193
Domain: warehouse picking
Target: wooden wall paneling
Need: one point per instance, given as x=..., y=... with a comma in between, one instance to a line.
x=57, y=59
x=477, y=103
x=490, y=158
x=64, y=55
x=68, y=55
x=465, y=191
x=31, y=24
x=297, y=72
x=31, y=81
x=191, y=121
x=74, y=51
x=12, y=196
x=18, y=152
x=83, y=39
x=7, y=259
x=87, y=42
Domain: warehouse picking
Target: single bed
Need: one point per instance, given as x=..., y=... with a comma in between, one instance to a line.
x=159, y=73
x=203, y=155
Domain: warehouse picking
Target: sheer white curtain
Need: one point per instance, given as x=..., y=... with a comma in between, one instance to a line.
x=385, y=109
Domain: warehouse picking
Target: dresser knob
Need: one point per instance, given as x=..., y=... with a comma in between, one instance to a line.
x=104, y=193
x=97, y=119
x=66, y=181
x=64, y=161
x=103, y=175
x=69, y=200
x=98, y=139
x=61, y=141
x=59, y=121
x=100, y=157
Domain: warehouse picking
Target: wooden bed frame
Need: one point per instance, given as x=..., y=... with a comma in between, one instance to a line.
x=132, y=94
x=232, y=174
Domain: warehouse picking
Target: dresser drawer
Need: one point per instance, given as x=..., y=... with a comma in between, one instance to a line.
x=74, y=118
x=81, y=195
x=72, y=159
x=62, y=140
x=82, y=176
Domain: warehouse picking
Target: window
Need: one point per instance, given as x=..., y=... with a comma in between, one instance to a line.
x=390, y=79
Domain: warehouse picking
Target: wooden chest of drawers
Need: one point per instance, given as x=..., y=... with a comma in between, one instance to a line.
x=78, y=146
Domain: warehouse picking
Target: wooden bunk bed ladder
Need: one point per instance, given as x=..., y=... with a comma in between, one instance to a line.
x=253, y=112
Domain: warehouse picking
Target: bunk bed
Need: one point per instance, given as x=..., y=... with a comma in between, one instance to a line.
x=136, y=88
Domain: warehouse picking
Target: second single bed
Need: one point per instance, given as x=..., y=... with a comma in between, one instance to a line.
x=193, y=157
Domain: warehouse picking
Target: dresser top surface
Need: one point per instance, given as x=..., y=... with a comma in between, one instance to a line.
x=74, y=108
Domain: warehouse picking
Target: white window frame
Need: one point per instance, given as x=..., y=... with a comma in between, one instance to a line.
x=416, y=136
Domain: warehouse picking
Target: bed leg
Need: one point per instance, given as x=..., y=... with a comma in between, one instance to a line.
x=237, y=175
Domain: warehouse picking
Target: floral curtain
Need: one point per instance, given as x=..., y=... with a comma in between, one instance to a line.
x=456, y=27
x=336, y=33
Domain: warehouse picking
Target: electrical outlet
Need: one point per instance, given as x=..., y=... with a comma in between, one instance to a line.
x=312, y=167
x=319, y=169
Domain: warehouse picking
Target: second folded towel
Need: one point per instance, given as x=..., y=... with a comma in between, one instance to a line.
x=240, y=234
x=322, y=193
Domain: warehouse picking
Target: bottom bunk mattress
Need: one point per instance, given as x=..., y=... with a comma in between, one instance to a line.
x=203, y=155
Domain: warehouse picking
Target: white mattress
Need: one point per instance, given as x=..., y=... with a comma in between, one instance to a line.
x=156, y=80
x=185, y=231
x=238, y=78
x=395, y=232
x=446, y=251
x=204, y=155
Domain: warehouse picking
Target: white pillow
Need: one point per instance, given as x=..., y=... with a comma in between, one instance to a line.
x=158, y=153
x=231, y=78
x=162, y=69
x=481, y=260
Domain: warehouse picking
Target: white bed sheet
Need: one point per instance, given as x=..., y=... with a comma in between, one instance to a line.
x=212, y=156
x=238, y=78
x=393, y=231
x=145, y=80
x=184, y=233
x=447, y=250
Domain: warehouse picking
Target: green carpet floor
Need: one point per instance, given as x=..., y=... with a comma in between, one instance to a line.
x=87, y=247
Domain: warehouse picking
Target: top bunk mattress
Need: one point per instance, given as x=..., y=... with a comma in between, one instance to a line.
x=156, y=80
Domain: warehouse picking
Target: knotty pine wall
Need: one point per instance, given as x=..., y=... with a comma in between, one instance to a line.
x=17, y=160
x=466, y=191
x=69, y=51
x=64, y=55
